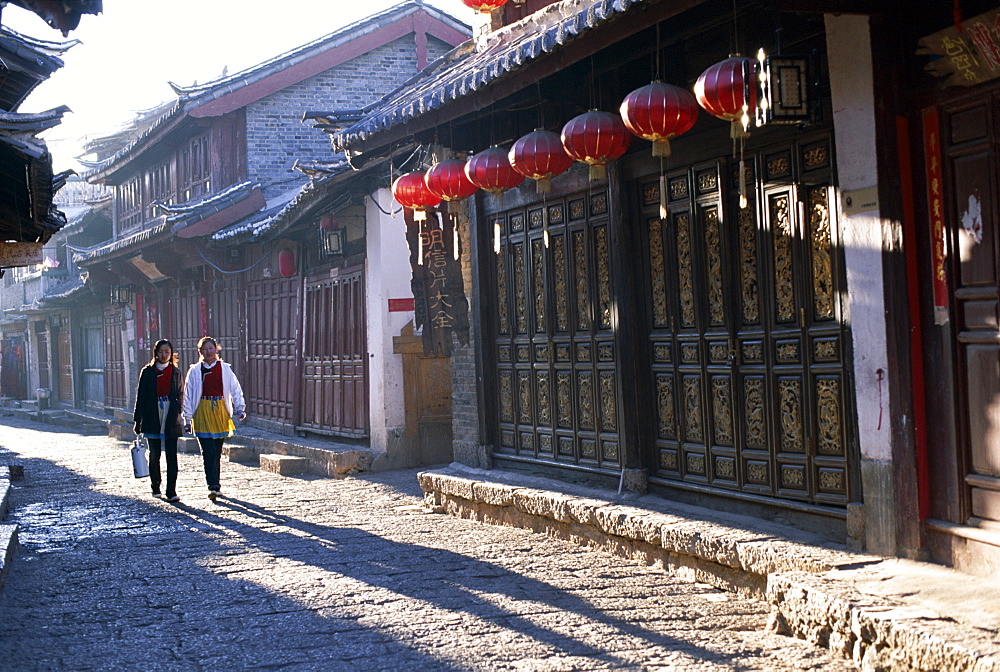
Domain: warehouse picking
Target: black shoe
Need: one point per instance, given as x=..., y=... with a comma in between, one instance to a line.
x=157, y=495
x=213, y=494
x=173, y=498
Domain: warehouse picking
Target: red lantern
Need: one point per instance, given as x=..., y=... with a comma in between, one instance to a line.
x=596, y=138
x=286, y=263
x=540, y=156
x=659, y=112
x=410, y=191
x=447, y=180
x=727, y=90
x=491, y=171
x=484, y=6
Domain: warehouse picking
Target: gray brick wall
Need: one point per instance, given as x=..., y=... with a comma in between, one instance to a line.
x=276, y=135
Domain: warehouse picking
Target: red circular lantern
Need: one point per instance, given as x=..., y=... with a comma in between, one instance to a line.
x=727, y=90
x=540, y=156
x=410, y=191
x=447, y=180
x=491, y=171
x=484, y=6
x=659, y=112
x=596, y=138
x=286, y=263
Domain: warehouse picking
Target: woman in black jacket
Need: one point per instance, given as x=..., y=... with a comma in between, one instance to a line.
x=157, y=414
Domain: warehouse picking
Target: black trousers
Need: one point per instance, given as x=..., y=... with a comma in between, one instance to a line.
x=168, y=447
x=211, y=454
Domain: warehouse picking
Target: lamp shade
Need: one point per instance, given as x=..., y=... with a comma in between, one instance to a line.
x=539, y=155
x=410, y=191
x=659, y=112
x=596, y=138
x=491, y=171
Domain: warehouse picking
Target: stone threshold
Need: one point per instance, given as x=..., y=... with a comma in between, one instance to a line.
x=884, y=614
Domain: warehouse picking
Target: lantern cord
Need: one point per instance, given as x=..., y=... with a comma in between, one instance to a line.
x=658, y=73
x=736, y=30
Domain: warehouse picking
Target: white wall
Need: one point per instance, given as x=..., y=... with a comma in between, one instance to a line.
x=864, y=237
x=388, y=277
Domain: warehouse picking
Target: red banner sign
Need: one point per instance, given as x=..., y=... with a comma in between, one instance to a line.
x=401, y=305
x=935, y=208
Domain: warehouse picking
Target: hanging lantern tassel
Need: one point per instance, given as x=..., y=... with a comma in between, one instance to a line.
x=496, y=236
x=545, y=223
x=597, y=171
x=543, y=186
x=454, y=238
x=664, y=211
x=743, y=182
x=420, y=243
x=661, y=148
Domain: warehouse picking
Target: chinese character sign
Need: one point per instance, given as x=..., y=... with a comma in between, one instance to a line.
x=968, y=56
x=935, y=209
x=440, y=306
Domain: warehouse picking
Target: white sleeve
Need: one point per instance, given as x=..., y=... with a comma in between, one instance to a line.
x=239, y=405
x=191, y=396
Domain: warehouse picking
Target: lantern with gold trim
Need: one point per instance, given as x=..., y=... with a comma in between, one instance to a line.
x=410, y=191
x=490, y=170
x=728, y=90
x=659, y=112
x=540, y=156
x=447, y=180
x=596, y=138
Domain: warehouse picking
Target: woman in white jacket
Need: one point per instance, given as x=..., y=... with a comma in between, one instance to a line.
x=212, y=398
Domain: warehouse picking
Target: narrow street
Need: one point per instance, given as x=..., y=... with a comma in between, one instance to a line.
x=322, y=574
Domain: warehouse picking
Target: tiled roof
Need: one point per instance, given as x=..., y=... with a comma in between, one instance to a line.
x=472, y=66
x=121, y=244
x=283, y=212
x=194, y=210
x=191, y=97
x=18, y=130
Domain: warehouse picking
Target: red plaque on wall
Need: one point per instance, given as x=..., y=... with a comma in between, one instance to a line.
x=401, y=305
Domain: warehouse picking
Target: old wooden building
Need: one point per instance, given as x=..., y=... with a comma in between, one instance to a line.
x=824, y=352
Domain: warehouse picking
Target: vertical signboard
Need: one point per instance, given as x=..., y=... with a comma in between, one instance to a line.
x=935, y=209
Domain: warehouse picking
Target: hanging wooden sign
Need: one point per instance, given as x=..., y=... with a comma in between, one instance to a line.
x=968, y=56
x=20, y=254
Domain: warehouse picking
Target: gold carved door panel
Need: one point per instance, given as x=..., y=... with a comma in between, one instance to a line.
x=557, y=389
x=746, y=338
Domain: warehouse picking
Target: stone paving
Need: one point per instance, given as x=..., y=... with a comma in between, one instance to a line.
x=308, y=573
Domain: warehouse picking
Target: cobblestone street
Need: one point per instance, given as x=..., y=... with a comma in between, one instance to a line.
x=329, y=574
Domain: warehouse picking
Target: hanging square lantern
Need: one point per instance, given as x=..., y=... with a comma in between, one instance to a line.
x=789, y=90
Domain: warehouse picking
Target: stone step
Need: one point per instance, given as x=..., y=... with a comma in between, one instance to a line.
x=8, y=546
x=286, y=465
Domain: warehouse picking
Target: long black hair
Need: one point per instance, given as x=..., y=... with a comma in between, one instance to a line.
x=173, y=351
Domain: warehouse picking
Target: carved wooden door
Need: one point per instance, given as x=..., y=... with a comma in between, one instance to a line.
x=746, y=338
x=556, y=385
x=335, y=355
